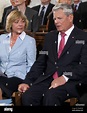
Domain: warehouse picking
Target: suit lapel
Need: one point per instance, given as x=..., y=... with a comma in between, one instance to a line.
x=38, y=8
x=54, y=47
x=48, y=10
x=47, y=13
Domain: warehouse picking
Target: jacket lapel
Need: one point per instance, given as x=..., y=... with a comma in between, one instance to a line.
x=54, y=47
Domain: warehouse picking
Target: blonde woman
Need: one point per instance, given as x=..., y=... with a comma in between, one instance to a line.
x=17, y=52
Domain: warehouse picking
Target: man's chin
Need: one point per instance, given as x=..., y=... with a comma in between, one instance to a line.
x=58, y=29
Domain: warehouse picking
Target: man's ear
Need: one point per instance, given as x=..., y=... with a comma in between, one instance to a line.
x=71, y=17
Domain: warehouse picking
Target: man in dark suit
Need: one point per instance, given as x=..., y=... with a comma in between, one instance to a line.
x=76, y=4
x=6, y=10
x=83, y=13
x=53, y=77
x=47, y=18
x=77, y=18
x=47, y=13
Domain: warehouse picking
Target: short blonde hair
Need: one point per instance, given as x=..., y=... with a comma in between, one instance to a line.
x=14, y=15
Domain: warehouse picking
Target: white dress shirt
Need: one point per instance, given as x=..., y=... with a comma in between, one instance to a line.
x=68, y=32
x=17, y=61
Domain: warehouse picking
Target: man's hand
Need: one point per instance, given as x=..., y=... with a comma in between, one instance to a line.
x=23, y=87
x=57, y=82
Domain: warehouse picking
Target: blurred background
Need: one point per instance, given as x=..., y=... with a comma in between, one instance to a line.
x=5, y=3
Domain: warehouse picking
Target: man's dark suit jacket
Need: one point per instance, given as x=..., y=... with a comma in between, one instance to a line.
x=4, y=14
x=77, y=18
x=83, y=13
x=49, y=9
x=72, y=62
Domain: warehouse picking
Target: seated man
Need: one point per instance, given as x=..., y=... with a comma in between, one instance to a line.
x=62, y=63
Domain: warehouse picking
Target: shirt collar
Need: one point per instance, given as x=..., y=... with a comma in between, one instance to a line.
x=21, y=36
x=44, y=6
x=77, y=4
x=69, y=31
x=13, y=7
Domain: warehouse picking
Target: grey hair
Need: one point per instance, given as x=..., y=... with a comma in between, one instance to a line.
x=67, y=9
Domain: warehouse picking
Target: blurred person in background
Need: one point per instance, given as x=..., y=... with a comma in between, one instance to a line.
x=65, y=1
x=82, y=9
x=6, y=10
x=77, y=15
x=47, y=15
x=45, y=19
x=75, y=4
x=31, y=14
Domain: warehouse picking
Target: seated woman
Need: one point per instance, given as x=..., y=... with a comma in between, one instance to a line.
x=17, y=53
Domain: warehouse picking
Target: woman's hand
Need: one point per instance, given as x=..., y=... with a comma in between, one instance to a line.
x=23, y=87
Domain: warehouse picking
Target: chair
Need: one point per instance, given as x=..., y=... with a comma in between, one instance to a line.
x=17, y=98
x=43, y=28
x=0, y=94
x=2, y=31
x=72, y=101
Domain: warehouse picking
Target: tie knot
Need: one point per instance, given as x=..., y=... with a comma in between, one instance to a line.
x=63, y=34
x=43, y=7
x=75, y=7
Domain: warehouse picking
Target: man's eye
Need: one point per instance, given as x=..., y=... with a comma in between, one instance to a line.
x=54, y=18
